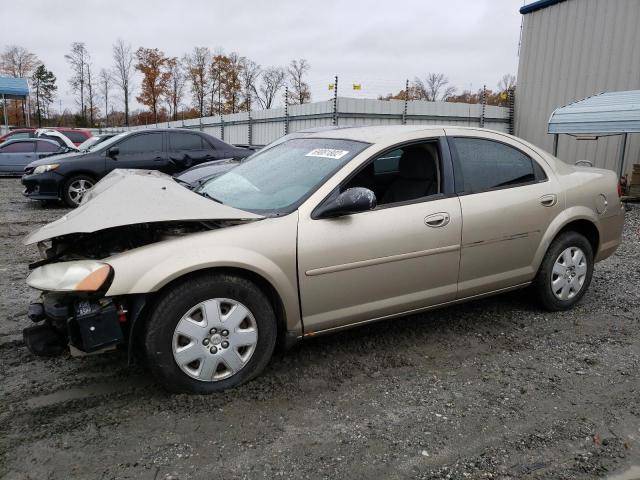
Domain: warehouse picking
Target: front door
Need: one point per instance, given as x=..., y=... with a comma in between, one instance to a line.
x=141, y=150
x=509, y=196
x=399, y=257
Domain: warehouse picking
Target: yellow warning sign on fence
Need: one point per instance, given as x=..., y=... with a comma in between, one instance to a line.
x=357, y=86
x=332, y=86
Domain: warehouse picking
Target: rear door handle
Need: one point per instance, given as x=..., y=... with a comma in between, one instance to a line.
x=549, y=200
x=437, y=220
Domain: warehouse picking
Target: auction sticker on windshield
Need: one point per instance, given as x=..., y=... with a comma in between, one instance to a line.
x=327, y=153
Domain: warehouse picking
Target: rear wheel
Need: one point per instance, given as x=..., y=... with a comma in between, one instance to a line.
x=566, y=271
x=75, y=188
x=210, y=333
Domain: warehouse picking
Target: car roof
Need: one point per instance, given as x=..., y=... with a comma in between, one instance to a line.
x=377, y=134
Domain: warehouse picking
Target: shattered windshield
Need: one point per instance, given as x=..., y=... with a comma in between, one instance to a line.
x=277, y=180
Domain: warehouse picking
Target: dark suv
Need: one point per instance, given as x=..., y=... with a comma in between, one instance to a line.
x=68, y=177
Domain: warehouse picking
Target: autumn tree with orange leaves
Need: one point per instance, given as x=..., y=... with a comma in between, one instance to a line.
x=155, y=69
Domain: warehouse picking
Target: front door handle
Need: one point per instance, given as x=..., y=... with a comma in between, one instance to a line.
x=549, y=200
x=437, y=220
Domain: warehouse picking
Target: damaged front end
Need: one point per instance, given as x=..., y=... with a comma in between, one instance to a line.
x=73, y=277
x=127, y=210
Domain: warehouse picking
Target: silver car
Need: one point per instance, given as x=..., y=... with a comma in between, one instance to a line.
x=17, y=154
x=313, y=235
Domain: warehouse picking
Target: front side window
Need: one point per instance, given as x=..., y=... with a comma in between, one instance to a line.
x=143, y=143
x=402, y=175
x=19, y=147
x=275, y=181
x=47, y=147
x=486, y=165
x=185, y=141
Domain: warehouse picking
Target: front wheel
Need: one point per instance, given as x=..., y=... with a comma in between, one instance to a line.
x=565, y=273
x=210, y=333
x=75, y=188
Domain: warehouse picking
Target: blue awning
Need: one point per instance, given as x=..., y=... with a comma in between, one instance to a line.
x=12, y=87
x=539, y=5
x=605, y=113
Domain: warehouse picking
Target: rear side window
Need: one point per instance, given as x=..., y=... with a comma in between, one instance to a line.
x=143, y=143
x=185, y=141
x=486, y=165
x=19, y=147
x=75, y=137
x=47, y=147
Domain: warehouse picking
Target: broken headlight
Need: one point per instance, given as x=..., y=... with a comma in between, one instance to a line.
x=77, y=276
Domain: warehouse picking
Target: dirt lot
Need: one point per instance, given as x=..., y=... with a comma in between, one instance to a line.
x=490, y=389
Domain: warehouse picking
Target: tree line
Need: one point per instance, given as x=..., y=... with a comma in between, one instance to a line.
x=200, y=83
x=436, y=87
x=197, y=84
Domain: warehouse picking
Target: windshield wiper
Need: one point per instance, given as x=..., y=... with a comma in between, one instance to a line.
x=206, y=195
x=183, y=183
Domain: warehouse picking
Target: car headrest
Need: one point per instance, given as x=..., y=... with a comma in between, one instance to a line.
x=418, y=163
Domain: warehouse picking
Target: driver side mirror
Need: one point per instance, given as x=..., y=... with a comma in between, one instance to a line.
x=113, y=152
x=352, y=200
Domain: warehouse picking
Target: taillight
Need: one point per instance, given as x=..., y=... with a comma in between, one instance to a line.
x=622, y=184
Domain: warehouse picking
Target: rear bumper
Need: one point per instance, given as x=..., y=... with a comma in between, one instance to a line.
x=43, y=186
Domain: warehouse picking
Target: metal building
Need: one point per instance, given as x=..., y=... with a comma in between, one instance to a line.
x=570, y=50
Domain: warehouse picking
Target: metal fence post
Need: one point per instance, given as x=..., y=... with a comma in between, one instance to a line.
x=286, y=110
x=221, y=128
x=250, y=127
x=511, y=93
x=406, y=102
x=484, y=106
x=335, y=102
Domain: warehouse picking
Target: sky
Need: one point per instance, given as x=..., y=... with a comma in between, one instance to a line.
x=377, y=44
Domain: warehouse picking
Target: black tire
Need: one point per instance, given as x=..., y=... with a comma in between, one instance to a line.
x=543, y=281
x=67, y=195
x=177, y=301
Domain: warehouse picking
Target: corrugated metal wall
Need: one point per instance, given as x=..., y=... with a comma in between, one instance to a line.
x=266, y=126
x=570, y=51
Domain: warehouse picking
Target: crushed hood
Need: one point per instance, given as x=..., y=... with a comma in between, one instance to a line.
x=128, y=197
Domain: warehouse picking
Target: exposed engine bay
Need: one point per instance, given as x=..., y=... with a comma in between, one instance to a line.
x=89, y=322
x=104, y=243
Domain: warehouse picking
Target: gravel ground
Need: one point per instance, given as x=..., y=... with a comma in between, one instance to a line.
x=491, y=389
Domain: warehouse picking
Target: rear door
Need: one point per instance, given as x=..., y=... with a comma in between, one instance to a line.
x=188, y=149
x=140, y=150
x=15, y=156
x=509, y=196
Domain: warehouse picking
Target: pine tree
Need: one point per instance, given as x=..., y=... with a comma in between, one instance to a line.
x=44, y=84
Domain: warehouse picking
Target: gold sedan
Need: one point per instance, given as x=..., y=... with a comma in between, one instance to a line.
x=313, y=234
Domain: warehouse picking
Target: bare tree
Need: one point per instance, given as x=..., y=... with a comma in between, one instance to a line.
x=299, y=88
x=197, y=67
x=435, y=87
x=105, y=80
x=16, y=61
x=272, y=81
x=123, y=72
x=249, y=74
x=91, y=95
x=507, y=82
x=175, y=87
x=78, y=59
